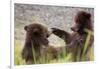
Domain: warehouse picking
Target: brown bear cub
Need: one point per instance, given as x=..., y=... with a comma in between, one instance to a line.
x=76, y=40
x=36, y=40
x=82, y=33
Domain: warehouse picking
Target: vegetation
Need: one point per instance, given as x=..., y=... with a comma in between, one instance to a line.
x=62, y=58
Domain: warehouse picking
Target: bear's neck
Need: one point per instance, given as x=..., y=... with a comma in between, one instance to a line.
x=32, y=43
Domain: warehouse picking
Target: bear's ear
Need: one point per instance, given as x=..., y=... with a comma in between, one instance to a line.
x=25, y=28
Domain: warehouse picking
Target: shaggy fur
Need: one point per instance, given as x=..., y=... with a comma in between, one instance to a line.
x=76, y=40
x=35, y=42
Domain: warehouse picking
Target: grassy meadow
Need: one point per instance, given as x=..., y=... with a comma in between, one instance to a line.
x=64, y=57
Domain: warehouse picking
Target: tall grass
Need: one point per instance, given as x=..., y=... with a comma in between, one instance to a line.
x=17, y=54
x=88, y=39
x=63, y=56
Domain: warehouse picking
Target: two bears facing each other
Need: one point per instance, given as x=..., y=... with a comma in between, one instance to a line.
x=37, y=34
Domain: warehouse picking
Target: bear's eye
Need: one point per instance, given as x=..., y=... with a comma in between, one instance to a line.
x=36, y=33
